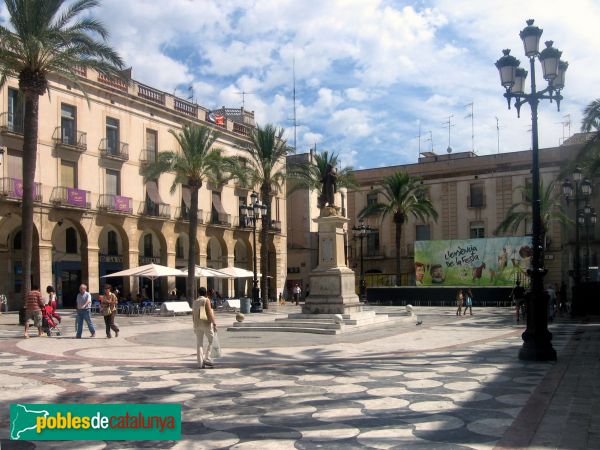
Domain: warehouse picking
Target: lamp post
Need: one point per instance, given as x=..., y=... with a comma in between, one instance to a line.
x=360, y=232
x=586, y=218
x=537, y=340
x=580, y=190
x=252, y=213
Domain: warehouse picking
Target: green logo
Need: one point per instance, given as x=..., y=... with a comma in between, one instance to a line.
x=44, y=422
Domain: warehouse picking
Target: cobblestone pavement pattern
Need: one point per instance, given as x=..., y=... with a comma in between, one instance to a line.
x=447, y=384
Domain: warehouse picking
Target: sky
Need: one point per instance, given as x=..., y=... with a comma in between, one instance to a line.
x=370, y=75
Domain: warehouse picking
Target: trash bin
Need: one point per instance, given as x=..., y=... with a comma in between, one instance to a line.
x=22, y=316
x=245, y=304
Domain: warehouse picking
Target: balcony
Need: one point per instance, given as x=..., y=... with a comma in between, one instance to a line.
x=151, y=94
x=183, y=214
x=184, y=107
x=220, y=219
x=115, y=204
x=70, y=139
x=11, y=125
x=114, y=149
x=70, y=197
x=115, y=83
x=242, y=129
x=12, y=189
x=155, y=210
x=148, y=156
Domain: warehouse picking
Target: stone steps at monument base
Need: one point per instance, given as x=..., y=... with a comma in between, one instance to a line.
x=308, y=324
x=290, y=323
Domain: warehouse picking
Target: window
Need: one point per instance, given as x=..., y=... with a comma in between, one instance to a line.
x=113, y=182
x=68, y=174
x=477, y=230
x=113, y=243
x=15, y=164
x=151, y=145
x=15, y=111
x=423, y=233
x=112, y=136
x=528, y=190
x=179, y=248
x=476, y=196
x=371, y=199
x=373, y=243
x=242, y=202
x=71, y=240
x=67, y=124
x=148, y=248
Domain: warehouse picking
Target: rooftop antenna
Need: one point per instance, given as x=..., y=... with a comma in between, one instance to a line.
x=565, y=123
x=450, y=125
x=243, y=94
x=419, y=136
x=472, y=116
x=293, y=119
x=498, y=132
x=191, y=93
x=430, y=139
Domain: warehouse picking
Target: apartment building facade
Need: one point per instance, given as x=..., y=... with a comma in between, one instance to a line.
x=94, y=214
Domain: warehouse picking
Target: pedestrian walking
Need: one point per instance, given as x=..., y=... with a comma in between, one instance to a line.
x=204, y=322
x=518, y=295
x=459, y=301
x=33, y=310
x=108, y=307
x=296, y=291
x=468, y=303
x=84, y=305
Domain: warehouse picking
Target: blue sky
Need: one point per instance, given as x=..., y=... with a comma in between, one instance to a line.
x=368, y=72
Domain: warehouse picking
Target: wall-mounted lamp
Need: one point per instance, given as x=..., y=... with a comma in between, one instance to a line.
x=1, y=155
x=60, y=222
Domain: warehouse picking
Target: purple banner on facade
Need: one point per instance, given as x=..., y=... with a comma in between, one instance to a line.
x=122, y=203
x=18, y=188
x=76, y=197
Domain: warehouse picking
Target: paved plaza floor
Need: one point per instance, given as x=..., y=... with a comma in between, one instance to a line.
x=451, y=382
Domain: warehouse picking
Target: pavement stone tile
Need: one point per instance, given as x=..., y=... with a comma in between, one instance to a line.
x=451, y=383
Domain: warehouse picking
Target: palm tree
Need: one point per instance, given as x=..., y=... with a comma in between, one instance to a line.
x=404, y=195
x=551, y=210
x=198, y=161
x=265, y=167
x=589, y=156
x=308, y=175
x=47, y=37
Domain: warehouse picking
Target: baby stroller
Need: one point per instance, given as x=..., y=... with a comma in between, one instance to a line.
x=50, y=321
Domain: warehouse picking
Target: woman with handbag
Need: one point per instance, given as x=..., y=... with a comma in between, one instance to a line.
x=204, y=324
x=108, y=307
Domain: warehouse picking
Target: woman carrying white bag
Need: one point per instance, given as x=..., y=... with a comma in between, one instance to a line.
x=204, y=324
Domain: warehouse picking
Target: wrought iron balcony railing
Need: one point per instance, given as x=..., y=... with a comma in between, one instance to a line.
x=12, y=188
x=114, y=149
x=71, y=197
x=73, y=139
x=158, y=210
x=115, y=203
x=220, y=219
x=11, y=123
x=184, y=214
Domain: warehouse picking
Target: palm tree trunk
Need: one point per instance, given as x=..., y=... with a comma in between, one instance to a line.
x=192, y=233
x=265, y=192
x=30, y=137
x=398, y=256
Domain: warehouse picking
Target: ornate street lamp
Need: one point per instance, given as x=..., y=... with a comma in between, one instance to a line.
x=579, y=190
x=537, y=340
x=251, y=214
x=360, y=232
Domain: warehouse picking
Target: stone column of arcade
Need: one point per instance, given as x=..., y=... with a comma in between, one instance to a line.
x=133, y=260
x=93, y=269
x=171, y=256
x=46, y=278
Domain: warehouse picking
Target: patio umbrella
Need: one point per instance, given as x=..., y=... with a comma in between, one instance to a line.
x=238, y=272
x=205, y=272
x=152, y=271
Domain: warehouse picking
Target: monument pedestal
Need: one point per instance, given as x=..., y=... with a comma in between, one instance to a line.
x=332, y=283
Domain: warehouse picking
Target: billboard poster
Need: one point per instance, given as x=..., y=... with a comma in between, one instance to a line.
x=472, y=262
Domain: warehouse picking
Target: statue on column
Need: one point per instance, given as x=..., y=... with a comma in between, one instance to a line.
x=329, y=180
